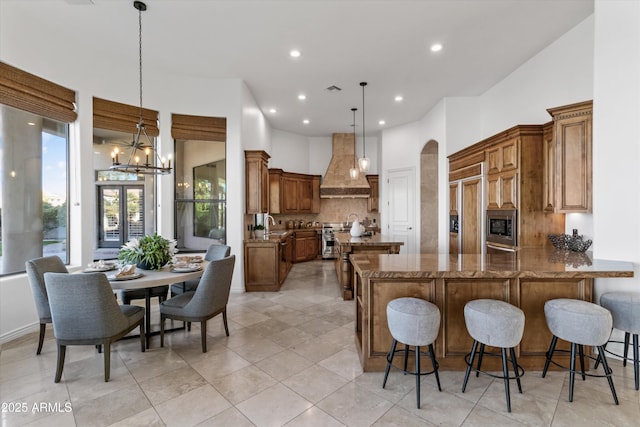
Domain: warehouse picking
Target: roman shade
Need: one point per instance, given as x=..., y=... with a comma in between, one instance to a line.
x=36, y=95
x=123, y=117
x=199, y=128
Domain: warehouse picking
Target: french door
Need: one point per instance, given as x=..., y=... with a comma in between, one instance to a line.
x=120, y=214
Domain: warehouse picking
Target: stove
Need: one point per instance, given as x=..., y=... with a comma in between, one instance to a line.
x=329, y=250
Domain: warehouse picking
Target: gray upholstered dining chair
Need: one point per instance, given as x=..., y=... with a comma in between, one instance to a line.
x=208, y=300
x=84, y=312
x=215, y=251
x=35, y=271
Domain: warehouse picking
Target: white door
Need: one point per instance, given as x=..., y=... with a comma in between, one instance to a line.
x=401, y=208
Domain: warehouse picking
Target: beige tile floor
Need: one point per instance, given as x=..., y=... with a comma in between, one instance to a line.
x=290, y=360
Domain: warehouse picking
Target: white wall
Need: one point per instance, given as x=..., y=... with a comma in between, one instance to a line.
x=616, y=137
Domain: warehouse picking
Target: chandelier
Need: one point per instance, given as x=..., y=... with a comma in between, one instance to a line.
x=363, y=162
x=152, y=164
x=353, y=172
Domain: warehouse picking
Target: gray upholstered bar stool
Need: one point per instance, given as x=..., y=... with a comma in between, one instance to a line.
x=413, y=322
x=497, y=324
x=580, y=323
x=625, y=310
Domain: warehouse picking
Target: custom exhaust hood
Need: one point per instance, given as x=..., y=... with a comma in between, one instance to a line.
x=337, y=183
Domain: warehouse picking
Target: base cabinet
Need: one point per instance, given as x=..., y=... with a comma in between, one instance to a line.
x=266, y=264
x=305, y=246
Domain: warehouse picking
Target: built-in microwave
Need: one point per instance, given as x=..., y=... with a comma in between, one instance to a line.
x=502, y=226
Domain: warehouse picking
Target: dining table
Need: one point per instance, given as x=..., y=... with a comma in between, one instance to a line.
x=147, y=279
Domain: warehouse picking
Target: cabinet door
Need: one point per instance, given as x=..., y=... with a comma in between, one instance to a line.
x=257, y=182
x=509, y=154
x=372, y=202
x=289, y=195
x=311, y=247
x=494, y=160
x=471, y=226
x=305, y=195
x=508, y=190
x=453, y=199
x=299, y=249
x=573, y=164
x=493, y=191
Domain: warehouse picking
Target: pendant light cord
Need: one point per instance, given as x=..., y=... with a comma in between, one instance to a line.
x=364, y=145
x=355, y=155
x=140, y=55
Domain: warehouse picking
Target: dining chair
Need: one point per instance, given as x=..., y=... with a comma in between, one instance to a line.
x=215, y=251
x=35, y=272
x=84, y=312
x=208, y=300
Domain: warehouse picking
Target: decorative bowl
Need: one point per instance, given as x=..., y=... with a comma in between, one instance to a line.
x=565, y=242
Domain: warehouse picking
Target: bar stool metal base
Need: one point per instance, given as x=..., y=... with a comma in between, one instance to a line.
x=625, y=356
x=572, y=368
x=418, y=373
x=517, y=369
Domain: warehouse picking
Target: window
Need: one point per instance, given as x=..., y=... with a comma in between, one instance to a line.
x=33, y=188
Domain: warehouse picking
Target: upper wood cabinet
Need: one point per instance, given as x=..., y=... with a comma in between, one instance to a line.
x=256, y=181
x=373, y=201
x=571, y=162
x=502, y=161
x=293, y=192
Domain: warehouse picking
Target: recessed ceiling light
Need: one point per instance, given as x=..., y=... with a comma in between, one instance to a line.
x=302, y=97
x=273, y=110
x=305, y=121
x=295, y=53
x=398, y=98
x=436, y=47
x=381, y=122
x=31, y=123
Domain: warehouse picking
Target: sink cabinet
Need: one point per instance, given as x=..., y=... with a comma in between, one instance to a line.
x=267, y=263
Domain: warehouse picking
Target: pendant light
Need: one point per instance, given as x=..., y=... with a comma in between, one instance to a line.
x=133, y=164
x=353, y=172
x=364, y=161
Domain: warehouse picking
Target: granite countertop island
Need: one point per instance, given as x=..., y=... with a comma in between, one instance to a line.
x=348, y=246
x=526, y=279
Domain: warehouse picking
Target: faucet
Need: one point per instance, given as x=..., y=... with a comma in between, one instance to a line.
x=349, y=216
x=268, y=217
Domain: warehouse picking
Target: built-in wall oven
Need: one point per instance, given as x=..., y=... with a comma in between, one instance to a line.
x=502, y=229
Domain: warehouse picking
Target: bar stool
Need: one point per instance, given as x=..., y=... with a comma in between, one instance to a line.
x=580, y=323
x=413, y=322
x=498, y=324
x=625, y=310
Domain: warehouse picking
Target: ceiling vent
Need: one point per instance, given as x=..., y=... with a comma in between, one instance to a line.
x=334, y=88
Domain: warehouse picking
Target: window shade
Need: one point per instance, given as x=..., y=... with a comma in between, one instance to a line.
x=36, y=95
x=123, y=117
x=198, y=128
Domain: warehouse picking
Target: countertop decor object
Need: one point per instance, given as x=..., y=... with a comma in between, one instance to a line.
x=150, y=252
x=574, y=243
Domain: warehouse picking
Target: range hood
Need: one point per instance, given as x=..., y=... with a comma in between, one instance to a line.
x=337, y=182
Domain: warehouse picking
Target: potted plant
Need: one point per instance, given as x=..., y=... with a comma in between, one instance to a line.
x=259, y=231
x=150, y=252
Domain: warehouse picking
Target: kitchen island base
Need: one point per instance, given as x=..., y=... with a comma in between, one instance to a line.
x=379, y=279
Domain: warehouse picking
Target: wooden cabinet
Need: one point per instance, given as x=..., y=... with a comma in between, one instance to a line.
x=267, y=263
x=571, y=162
x=372, y=202
x=502, y=175
x=305, y=245
x=256, y=181
x=465, y=200
x=293, y=192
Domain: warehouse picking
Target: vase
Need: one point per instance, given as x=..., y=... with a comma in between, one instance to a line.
x=144, y=265
x=259, y=234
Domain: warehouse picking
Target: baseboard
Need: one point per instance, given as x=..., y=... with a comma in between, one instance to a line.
x=17, y=333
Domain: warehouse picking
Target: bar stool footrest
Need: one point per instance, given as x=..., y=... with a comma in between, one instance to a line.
x=421, y=373
x=564, y=368
x=517, y=375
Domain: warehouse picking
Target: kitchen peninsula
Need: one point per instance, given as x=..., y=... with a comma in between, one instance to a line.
x=348, y=245
x=526, y=279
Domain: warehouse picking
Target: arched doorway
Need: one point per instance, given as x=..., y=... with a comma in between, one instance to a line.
x=429, y=198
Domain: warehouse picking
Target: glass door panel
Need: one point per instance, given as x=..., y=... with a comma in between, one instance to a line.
x=121, y=214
